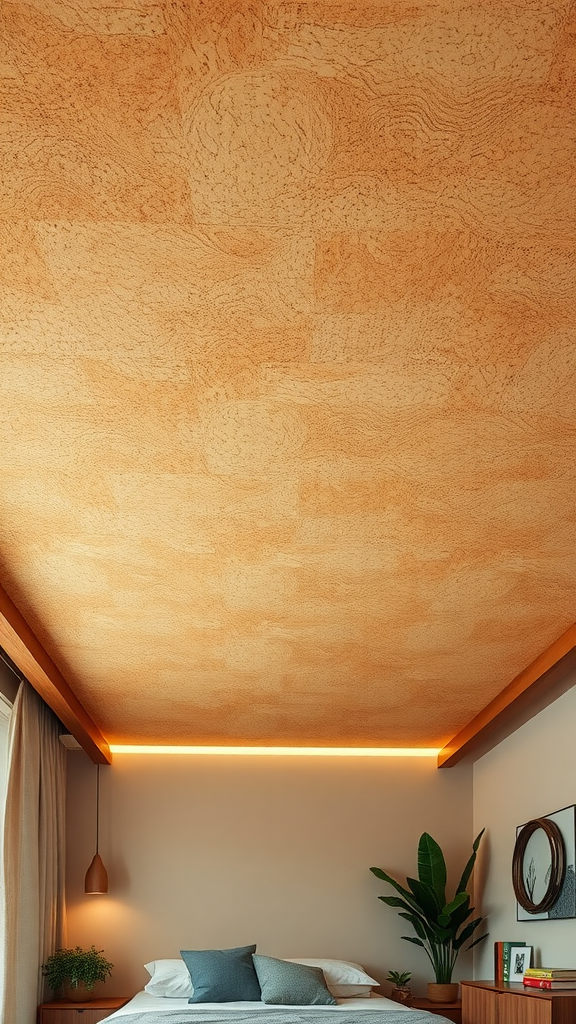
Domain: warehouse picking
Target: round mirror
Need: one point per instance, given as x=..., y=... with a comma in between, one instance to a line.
x=538, y=865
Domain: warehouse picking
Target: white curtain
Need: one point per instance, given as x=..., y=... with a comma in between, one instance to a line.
x=34, y=838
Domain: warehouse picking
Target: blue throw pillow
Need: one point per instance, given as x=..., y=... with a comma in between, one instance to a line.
x=222, y=975
x=290, y=984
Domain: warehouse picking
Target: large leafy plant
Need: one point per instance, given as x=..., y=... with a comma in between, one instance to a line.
x=72, y=966
x=442, y=926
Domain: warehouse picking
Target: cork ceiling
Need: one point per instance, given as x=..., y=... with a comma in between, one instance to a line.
x=288, y=361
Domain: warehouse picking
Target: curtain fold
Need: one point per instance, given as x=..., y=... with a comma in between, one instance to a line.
x=34, y=844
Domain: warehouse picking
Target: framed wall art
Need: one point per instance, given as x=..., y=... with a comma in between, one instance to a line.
x=520, y=961
x=543, y=867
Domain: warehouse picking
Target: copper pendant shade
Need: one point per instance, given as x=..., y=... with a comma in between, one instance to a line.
x=96, y=877
x=96, y=881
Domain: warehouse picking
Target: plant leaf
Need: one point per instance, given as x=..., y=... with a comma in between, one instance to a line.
x=466, y=933
x=416, y=923
x=427, y=930
x=470, y=865
x=476, y=941
x=395, y=901
x=420, y=926
x=445, y=917
x=417, y=942
x=408, y=896
x=426, y=897
x=432, y=866
x=459, y=899
x=392, y=881
x=461, y=915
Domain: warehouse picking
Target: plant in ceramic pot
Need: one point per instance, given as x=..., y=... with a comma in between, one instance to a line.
x=401, y=993
x=442, y=926
x=76, y=971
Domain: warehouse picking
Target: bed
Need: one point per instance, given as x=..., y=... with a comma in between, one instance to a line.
x=148, y=1009
x=239, y=986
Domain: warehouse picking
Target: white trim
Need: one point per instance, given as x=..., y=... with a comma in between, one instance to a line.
x=69, y=741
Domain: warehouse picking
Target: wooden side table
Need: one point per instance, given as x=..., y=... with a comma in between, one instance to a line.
x=62, y=1011
x=452, y=1011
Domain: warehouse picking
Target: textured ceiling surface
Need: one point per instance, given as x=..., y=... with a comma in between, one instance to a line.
x=289, y=358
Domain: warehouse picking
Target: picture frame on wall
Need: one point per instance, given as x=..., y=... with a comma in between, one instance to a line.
x=520, y=961
x=544, y=867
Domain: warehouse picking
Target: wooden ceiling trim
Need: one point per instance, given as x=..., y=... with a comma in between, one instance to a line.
x=26, y=651
x=537, y=686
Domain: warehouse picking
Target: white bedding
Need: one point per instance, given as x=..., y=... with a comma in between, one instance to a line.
x=144, y=1003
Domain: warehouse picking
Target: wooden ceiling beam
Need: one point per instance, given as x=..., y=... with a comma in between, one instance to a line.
x=546, y=679
x=28, y=654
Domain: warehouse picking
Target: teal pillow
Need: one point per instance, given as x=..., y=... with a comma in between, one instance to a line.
x=291, y=984
x=222, y=975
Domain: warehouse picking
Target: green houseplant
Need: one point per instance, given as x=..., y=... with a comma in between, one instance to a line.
x=76, y=971
x=442, y=926
x=401, y=993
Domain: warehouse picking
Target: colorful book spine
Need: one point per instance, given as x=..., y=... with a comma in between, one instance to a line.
x=507, y=946
x=505, y=961
x=498, y=977
x=502, y=960
x=551, y=972
x=548, y=983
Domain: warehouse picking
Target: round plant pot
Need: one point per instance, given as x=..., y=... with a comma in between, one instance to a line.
x=78, y=993
x=438, y=993
x=403, y=994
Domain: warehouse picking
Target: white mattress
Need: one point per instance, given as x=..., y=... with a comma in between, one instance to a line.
x=144, y=1003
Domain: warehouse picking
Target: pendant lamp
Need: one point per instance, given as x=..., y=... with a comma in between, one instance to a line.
x=96, y=882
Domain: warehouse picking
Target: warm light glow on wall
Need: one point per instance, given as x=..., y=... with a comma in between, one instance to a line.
x=129, y=748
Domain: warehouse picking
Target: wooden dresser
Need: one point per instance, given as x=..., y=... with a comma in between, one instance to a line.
x=484, y=1002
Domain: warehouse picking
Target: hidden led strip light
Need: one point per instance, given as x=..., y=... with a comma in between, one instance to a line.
x=137, y=748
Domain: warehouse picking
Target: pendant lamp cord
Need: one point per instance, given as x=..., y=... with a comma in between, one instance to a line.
x=97, y=804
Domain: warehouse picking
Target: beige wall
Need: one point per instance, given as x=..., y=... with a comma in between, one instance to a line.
x=531, y=773
x=220, y=851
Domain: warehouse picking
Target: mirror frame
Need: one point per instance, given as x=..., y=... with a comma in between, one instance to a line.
x=557, y=868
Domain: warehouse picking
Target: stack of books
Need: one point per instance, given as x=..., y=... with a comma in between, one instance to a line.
x=550, y=977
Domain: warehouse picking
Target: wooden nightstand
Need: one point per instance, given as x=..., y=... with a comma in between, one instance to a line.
x=62, y=1011
x=453, y=1011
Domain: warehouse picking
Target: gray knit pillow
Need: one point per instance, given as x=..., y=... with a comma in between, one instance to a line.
x=291, y=984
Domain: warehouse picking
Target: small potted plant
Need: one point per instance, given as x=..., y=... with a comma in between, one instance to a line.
x=401, y=993
x=76, y=971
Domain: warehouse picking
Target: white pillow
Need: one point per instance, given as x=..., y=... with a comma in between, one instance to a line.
x=168, y=978
x=343, y=978
x=350, y=991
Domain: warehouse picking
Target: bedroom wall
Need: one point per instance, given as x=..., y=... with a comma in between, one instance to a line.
x=221, y=851
x=530, y=774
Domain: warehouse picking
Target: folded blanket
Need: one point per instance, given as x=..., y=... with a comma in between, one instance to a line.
x=283, y=1015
